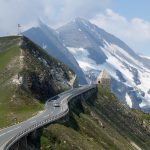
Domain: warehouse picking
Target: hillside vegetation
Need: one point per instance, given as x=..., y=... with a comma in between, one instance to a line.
x=99, y=124
x=28, y=77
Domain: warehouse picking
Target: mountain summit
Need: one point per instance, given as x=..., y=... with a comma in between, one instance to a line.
x=95, y=50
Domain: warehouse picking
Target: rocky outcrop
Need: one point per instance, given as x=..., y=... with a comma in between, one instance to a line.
x=42, y=75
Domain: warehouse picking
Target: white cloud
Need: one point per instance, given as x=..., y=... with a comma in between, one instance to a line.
x=58, y=12
x=13, y=12
x=135, y=32
x=53, y=12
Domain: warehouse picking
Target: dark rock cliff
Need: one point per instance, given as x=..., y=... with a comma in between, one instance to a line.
x=43, y=76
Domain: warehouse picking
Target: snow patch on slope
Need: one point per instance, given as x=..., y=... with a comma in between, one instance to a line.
x=86, y=63
x=148, y=57
x=117, y=59
x=111, y=51
x=82, y=56
x=114, y=62
x=79, y=30
x=128, y=100
x=17, y=80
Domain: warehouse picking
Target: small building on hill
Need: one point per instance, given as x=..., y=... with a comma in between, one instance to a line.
x=104, y=79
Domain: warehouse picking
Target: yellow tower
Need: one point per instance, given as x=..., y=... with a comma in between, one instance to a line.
x=104, y=79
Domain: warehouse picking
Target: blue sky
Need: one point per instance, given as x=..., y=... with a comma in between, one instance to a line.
x=133, y=8
x=127, y=19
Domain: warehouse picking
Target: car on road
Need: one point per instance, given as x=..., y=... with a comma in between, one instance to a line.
x=56, y=103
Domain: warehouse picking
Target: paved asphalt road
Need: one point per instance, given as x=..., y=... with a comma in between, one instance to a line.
x=50, y=112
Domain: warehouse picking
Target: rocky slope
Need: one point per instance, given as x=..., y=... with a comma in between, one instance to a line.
x=48, y=39
x=28, y=77
x=95, y=49
x=99, y=124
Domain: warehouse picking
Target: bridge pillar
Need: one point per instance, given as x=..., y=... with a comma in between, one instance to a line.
x=20, y=145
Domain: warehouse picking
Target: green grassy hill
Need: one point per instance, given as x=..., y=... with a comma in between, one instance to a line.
x=101, y=124
x=28, y=77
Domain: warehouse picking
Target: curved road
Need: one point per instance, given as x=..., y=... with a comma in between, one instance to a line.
x=55, y=108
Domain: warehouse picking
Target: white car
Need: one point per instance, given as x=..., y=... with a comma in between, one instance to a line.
x=56, y=104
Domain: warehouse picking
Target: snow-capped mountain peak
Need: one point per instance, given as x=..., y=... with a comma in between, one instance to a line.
x=95, y=50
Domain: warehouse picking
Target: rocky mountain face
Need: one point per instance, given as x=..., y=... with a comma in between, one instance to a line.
x=28, y=77
x=48, y=39
x=95, y=50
